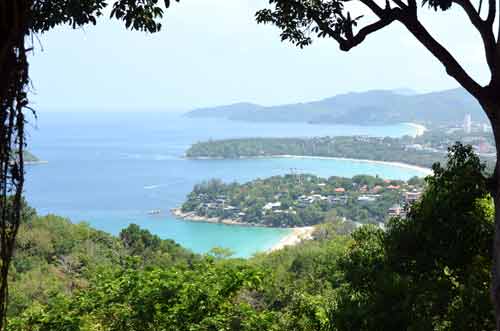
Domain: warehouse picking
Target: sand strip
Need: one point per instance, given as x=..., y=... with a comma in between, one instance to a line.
x=296, y=236
x=423, y=170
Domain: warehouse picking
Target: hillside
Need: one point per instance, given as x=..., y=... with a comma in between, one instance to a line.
x=371, y=107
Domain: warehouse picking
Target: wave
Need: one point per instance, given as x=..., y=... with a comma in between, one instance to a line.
x=162, y=157
x=153, y=157
x=151, y=187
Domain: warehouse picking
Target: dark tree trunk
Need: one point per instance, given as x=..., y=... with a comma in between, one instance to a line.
x=495, y=283
x=14, y=27
x=492, y=108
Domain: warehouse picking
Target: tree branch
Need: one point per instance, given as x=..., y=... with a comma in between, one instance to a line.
x=375, y=8
x=492, y=12
x=347, y=44
x=349, y=41
x=484, y=28
x=453, y=68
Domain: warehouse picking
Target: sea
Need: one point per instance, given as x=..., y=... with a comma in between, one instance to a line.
x=110, y=169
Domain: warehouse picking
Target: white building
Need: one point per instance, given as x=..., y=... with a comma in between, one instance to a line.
x=272, y=205
x=467, y=123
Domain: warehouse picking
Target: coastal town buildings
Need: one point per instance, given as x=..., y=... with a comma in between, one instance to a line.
x=276, y=203
x=467, y=123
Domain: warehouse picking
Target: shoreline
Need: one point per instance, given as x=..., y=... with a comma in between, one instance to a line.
x=295, y=237
x=424, y=170
x=192, y=217
x=35, y=162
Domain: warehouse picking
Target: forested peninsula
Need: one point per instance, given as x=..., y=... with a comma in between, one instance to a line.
x=421, y=151
x=367, y=148
x=300, y=200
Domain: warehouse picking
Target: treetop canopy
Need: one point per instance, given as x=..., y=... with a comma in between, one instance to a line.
x=141, y=15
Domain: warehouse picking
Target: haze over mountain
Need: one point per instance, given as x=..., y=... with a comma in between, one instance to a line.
x=370, y=107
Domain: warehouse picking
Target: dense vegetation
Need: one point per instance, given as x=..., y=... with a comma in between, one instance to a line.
x=423, y=150
x=54, y=256
x=379, y=149
x=429, y=271
x=299, y=200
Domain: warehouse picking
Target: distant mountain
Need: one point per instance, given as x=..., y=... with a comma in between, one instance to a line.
x=371, y=107
x=405, y=91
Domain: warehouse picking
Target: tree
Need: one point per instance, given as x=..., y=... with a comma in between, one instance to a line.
x=19, y=21
x=301, y=20
x=431, y=270
x=202, y=297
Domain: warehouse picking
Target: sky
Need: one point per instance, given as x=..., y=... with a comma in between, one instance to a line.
x=213, y=52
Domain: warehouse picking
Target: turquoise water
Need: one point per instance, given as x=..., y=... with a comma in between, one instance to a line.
x=110, y=169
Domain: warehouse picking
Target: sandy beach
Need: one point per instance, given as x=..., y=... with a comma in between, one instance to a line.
x=424, y=170
x=295, y=237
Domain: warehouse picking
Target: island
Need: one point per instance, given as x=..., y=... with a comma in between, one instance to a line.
x=300, y=200
x=30, y=158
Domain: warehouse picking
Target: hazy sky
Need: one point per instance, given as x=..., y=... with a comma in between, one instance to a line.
x=213, y=52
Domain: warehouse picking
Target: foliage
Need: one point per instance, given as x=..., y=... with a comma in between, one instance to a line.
x=21, y=19
x=153, y=250
x=55, y=256
x=199, y=298
x=136, y=14
x=300, y=20
x=430, y=271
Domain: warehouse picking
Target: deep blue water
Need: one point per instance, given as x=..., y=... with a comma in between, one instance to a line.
x=110, y=169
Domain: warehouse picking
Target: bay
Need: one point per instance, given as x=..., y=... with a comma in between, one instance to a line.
x=110, y=168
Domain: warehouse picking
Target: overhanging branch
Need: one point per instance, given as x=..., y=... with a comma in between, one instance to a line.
x=484, y=27
x=407, y=14
x=350, y=40
x=453, y=68
x=348, y=43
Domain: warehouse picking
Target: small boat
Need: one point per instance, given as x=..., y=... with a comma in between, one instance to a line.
x=154, y=212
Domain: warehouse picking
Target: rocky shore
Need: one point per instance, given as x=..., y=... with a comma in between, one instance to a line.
x=191, y=216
